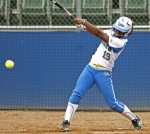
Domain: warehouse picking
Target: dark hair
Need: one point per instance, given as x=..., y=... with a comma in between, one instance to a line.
x=132, y=27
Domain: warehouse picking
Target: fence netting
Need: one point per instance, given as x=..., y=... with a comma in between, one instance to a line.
x=99, y=12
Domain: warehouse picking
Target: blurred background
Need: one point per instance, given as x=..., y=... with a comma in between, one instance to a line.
x=99, y=12
x=49, y=52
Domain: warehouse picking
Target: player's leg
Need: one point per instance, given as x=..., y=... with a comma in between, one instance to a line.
x=104, y=82
x=84, y=82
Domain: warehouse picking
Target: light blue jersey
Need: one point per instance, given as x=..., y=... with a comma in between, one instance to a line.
x=106, y=54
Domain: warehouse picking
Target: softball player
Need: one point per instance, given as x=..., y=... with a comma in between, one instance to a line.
x=99, y=70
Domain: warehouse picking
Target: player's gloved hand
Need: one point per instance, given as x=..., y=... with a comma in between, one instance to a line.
x=82, y=27
x=79, y=21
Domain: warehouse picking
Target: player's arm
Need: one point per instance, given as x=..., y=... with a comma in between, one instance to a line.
x=92, y=29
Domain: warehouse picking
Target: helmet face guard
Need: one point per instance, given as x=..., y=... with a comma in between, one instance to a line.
x=124, y=25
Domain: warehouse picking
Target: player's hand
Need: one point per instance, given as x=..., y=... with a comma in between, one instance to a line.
x=78, y=21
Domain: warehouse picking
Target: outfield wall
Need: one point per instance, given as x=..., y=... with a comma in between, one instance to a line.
x=47, y=65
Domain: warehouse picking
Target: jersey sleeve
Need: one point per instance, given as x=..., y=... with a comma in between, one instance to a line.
x=116, y=42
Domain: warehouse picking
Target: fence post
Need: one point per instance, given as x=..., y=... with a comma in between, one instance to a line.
x=78, y=12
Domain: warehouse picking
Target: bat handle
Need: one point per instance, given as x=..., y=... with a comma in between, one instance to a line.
x=73, y=17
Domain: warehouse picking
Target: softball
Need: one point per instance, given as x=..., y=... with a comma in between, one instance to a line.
x=9, y=64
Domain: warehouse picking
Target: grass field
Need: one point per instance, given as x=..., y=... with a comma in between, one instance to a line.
x=48, y=122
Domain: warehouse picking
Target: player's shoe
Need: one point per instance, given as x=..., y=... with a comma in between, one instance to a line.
x=65, y=126
x=137, y=124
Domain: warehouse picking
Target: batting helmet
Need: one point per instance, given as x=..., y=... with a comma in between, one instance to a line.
x=124, y=25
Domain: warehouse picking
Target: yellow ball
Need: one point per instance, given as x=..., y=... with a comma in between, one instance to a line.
x=9, y=64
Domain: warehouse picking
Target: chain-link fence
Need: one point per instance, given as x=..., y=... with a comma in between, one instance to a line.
x=98, y=12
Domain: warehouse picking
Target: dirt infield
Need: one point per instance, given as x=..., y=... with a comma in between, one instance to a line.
x=48, y=122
